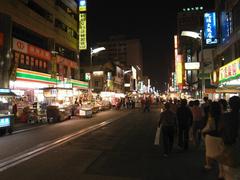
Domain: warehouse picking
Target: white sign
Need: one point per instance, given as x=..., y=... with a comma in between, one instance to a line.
x=192, y=65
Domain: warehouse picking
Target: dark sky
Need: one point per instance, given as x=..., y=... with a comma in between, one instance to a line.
x=152, y=22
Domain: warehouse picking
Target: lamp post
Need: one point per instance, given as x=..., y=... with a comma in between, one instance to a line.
x=95, y=51
x=199, y=36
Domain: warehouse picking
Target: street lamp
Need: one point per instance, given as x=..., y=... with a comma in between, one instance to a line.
x=95, y=51
x=199, y=36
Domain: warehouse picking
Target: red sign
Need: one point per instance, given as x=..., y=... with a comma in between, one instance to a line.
x=1, y=39
x=67, y=62
x=38, y=52
x=31, y=50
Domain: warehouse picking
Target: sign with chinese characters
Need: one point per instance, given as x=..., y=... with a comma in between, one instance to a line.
x=82, y=6
x=230, y=71
x=29, y=49
x=82, y=31
x=210, y=28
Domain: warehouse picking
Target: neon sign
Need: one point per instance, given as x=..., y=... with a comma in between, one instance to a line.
x=210, y=28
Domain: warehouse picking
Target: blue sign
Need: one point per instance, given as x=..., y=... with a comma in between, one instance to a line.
x=210, y=28
x=4, y=122
x=225, y=26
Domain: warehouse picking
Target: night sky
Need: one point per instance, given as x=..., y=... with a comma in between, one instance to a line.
x=153, y=23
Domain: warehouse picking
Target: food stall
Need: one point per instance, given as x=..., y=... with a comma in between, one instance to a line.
x=59, y=103
x=6, y=116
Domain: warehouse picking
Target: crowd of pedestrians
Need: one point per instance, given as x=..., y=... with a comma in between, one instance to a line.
x=213, y=125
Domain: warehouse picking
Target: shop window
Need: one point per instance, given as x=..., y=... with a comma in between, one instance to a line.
x=27, y=62
x=22, y=59
x=32, y=61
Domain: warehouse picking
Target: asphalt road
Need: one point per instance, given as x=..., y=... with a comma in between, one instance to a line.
x=123, y=150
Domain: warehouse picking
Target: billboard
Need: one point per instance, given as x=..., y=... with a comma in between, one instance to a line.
x=230, y=71
x=210, y=28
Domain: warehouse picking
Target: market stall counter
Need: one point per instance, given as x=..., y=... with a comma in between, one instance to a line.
x=60, y=103
x=85, y=112
x=6, y=108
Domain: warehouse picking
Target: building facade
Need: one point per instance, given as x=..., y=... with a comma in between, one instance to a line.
x=42, y=43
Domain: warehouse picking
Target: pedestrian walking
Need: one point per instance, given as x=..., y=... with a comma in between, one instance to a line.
x=197, y=122
x=212, y=136
x=168, y=123
x=184, y=122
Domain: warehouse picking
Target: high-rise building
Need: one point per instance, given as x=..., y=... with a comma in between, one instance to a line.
x=43, y=41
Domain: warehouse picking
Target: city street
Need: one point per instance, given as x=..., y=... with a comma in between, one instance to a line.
x=122, y=149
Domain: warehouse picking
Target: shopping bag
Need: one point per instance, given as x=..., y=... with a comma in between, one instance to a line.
x=157, y=136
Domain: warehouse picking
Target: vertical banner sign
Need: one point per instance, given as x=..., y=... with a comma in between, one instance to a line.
x=82, y=25
x=210, y=28
x=82, y=31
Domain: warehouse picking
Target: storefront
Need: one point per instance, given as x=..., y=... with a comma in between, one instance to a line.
x=229, y=79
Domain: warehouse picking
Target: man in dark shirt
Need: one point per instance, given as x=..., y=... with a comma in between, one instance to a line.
x=184, y=122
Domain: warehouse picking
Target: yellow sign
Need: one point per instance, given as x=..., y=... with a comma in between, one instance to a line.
x=82, y=31
x=230, y=70
x=179, y=71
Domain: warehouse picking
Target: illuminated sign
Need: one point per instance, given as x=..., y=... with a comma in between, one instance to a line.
x=210, y=28
x=4, y=122
x=82, y=31
x=230, y=71
x=225, y=26
x=179, y=71
x=97, y=73
x=82, y=6
x=4, y=90
x=87, y=76
x=29, y=49
x=192, y=65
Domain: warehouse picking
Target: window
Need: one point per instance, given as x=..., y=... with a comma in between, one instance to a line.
x=66, y=9
x=59, y=24
x=40, y=11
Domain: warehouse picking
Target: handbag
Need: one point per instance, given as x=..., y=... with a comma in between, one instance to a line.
x=157, y=135
x=230, y=156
